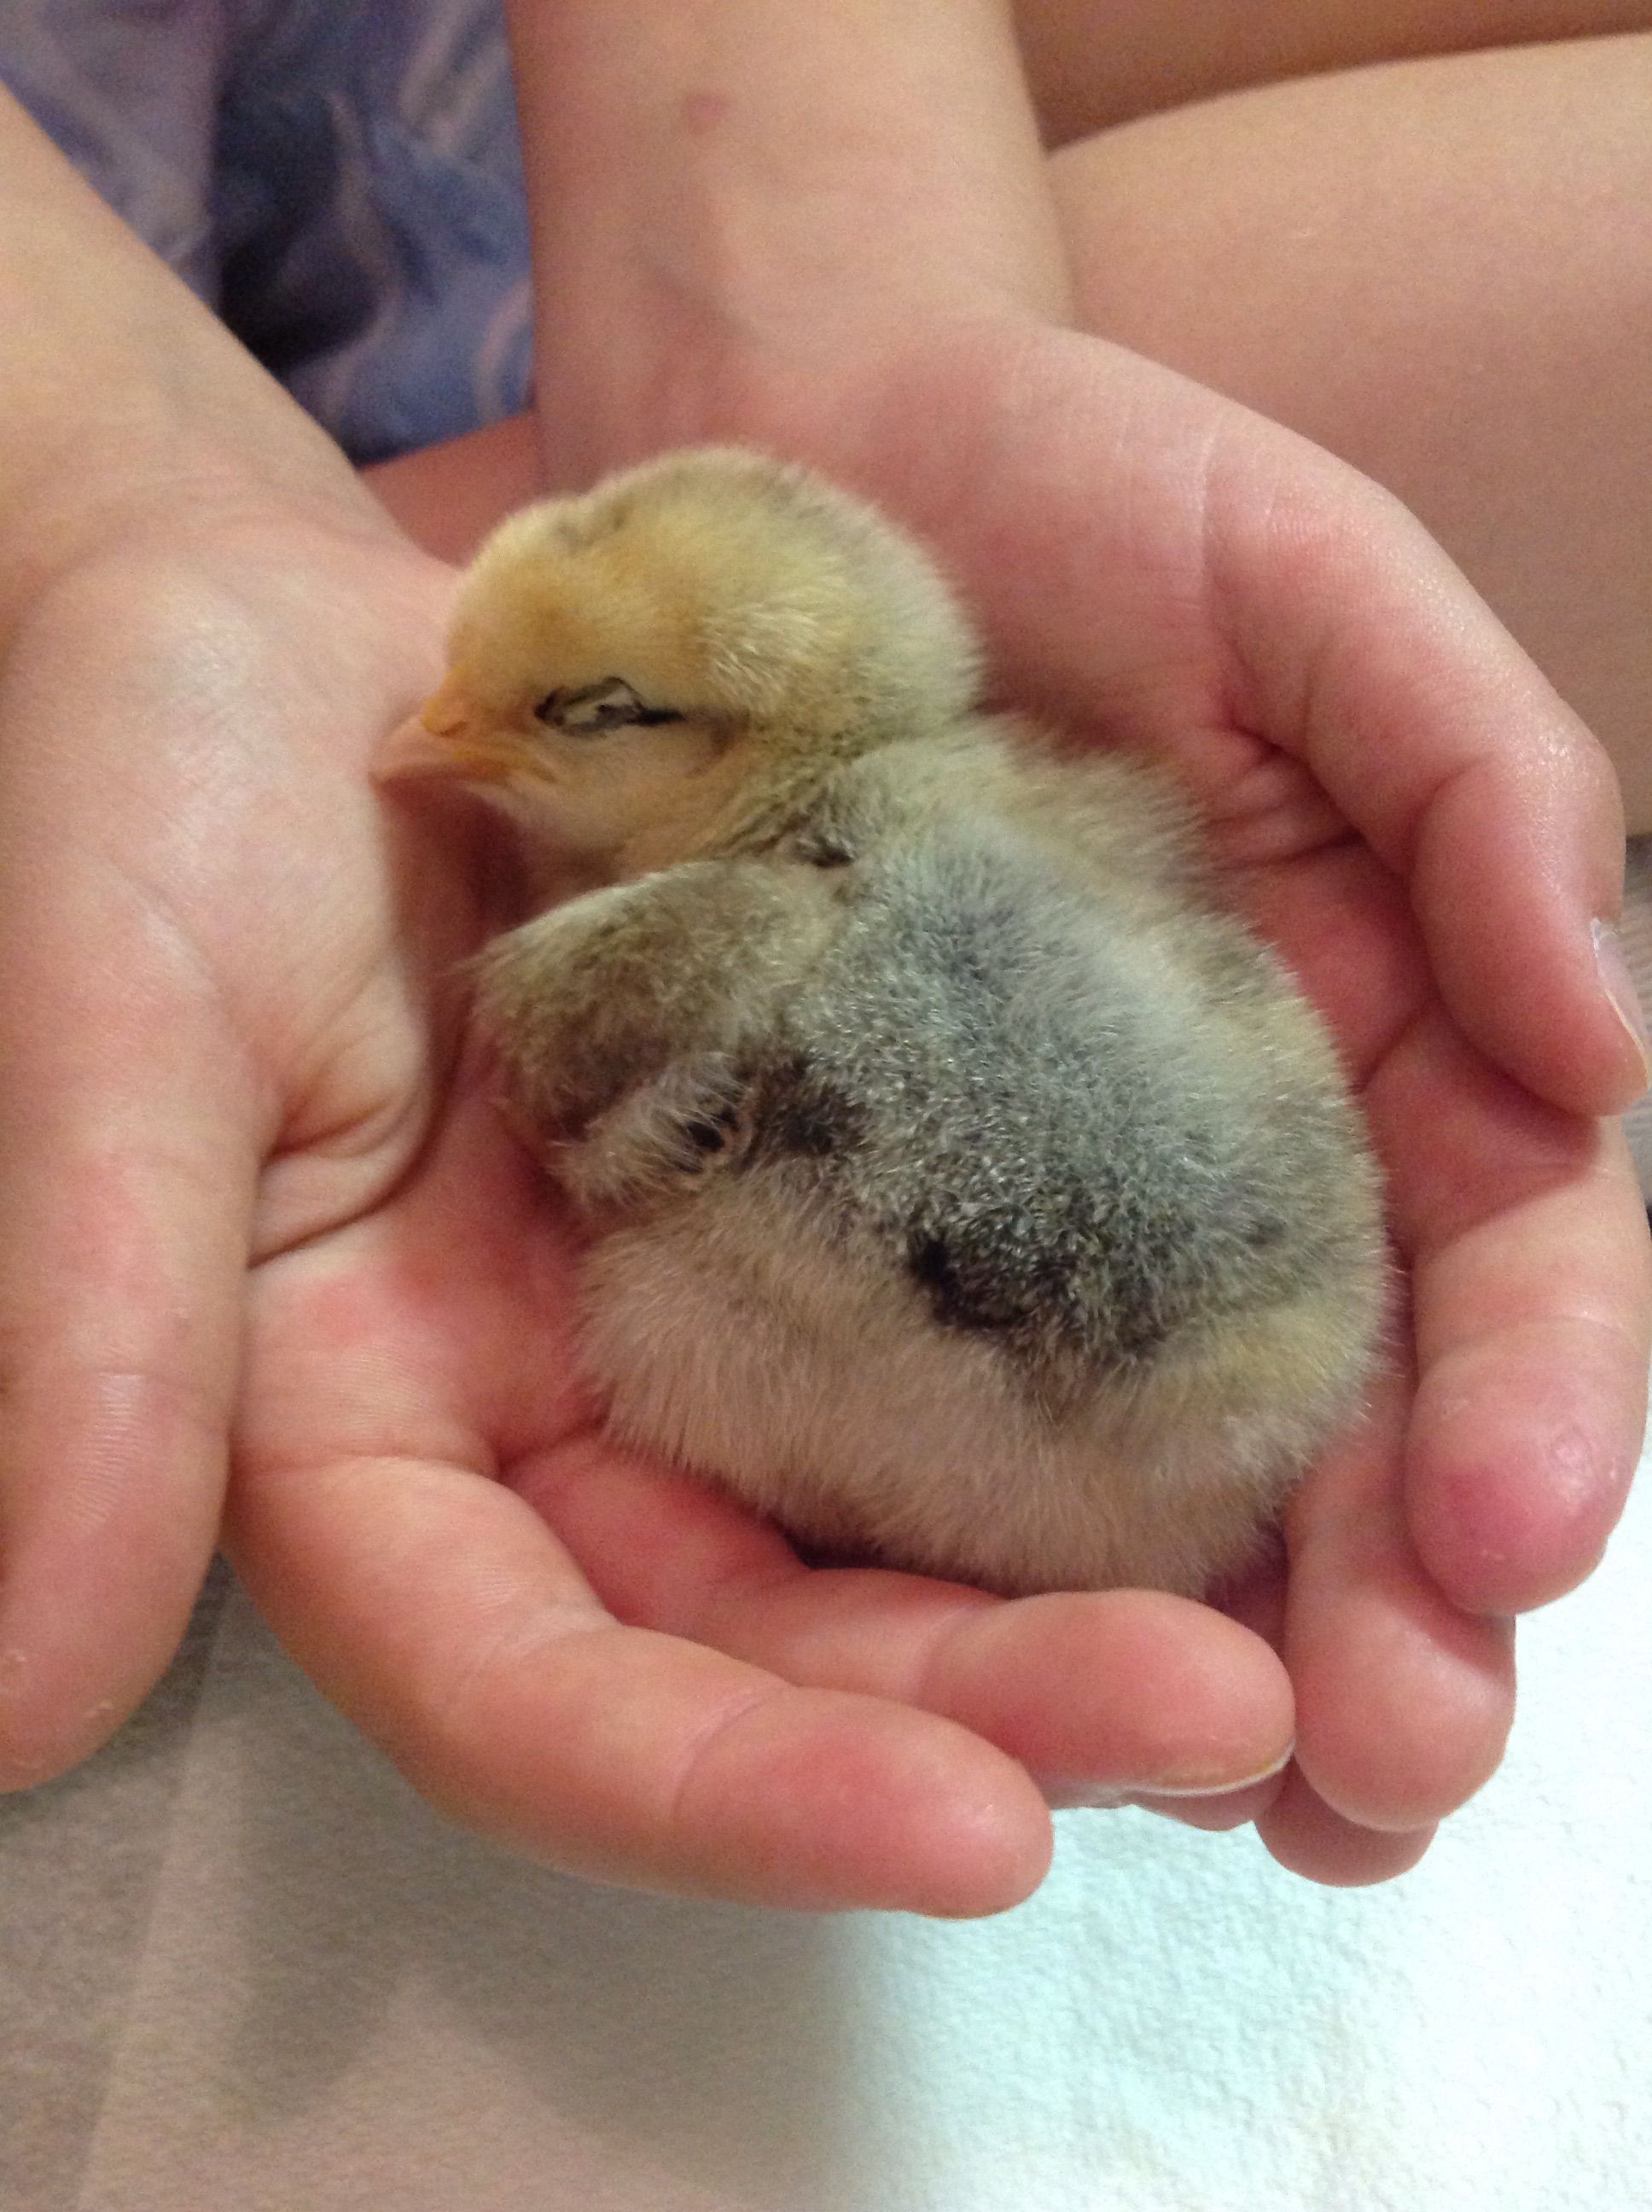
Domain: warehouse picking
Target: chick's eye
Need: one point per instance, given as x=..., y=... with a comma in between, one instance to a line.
x=609, y=705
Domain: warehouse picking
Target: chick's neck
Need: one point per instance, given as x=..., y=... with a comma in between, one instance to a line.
x=737, y=805
x=806, y=792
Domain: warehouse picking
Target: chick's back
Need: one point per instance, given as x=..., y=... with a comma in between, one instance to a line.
x=1048, y=1252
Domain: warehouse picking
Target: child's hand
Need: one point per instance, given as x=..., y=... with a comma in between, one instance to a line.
x=231, y=1040
x=1430, y=837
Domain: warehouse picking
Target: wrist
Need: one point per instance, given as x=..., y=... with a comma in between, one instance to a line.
x=170, y=494
x=160, y=552
x=125, y=407
x=796, y=192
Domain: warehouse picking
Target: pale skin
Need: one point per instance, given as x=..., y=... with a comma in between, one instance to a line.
x=754, y=1729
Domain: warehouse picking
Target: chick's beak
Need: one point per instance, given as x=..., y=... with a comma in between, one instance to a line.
x=448, y=738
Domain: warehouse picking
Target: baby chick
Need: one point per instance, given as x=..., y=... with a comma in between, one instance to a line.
x=966, y=1188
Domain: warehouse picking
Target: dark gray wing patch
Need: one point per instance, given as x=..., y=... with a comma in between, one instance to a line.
x=799, y=1110
x=1044, y=1285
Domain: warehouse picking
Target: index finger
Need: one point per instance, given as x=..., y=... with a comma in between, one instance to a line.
x=1371, y=655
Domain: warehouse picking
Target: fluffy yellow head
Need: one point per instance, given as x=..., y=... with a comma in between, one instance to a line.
x=635, y=657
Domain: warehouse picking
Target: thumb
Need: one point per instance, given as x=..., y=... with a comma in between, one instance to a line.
x=128, y=1161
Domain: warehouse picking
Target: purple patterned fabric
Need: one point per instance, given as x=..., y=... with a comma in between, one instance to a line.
x=340, y=179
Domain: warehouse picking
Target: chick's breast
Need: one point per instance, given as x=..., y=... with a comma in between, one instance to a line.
x=1048, y=1255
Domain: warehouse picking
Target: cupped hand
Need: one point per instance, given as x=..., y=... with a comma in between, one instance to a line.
x=1436, y=846
x=1434, y=843
x=253, y=1187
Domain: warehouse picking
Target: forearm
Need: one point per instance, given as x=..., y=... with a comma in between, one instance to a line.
x=728, y=194
x=119, y=392
x=1093, y=63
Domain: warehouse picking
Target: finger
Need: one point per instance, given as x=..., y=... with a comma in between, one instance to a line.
x=1532, y=1294
x=435, y=1607
x=1258, y=1600
x=1308, y=1837
x=1403, y=1703
x=1259, y=585
x=1098, y=1695
x=1450, y=753
x=127, y=1163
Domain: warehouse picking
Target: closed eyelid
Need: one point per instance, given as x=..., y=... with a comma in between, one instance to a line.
x=611, y=703
x=593, y=694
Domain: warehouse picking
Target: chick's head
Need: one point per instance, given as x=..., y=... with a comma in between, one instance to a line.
x=627, y=665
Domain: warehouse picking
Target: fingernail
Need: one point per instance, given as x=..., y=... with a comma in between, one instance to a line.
x=1620, y=987
x=1083, y=1797
x=1067, y=1797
